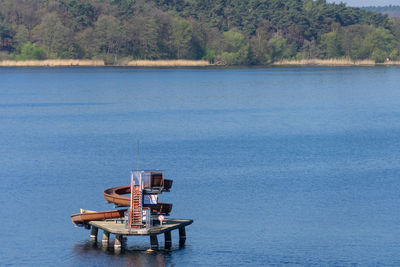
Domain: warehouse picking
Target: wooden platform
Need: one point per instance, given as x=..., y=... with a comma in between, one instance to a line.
x=120, y=229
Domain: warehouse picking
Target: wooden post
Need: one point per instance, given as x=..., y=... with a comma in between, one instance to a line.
x=167, y=240
x=153, y=241
x=118, y=242
x=182, y=236
x=93, y=234
x=106, y=238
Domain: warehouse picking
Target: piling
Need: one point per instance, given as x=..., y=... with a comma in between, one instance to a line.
x=118, y=242
x=182, y=236
x=167, y=240
x=106, y=238
x=153, y=242
x=93, y=234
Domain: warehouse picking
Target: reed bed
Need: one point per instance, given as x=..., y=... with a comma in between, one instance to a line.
x=168, y=63
x=325, y=62
x=51, y=63
x=392, y=63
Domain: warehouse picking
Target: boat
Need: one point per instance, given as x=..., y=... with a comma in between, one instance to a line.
x=86, y=216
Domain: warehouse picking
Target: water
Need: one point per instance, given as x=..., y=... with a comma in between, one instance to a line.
x=282, y=166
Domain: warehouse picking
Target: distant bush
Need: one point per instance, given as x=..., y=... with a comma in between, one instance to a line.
x=30, y=51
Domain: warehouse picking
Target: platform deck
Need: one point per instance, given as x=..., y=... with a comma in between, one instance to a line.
x=120, y=229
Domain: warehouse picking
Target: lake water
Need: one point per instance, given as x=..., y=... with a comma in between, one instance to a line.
x=279, y=166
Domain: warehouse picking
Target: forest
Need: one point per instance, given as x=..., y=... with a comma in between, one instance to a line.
x=231, y=32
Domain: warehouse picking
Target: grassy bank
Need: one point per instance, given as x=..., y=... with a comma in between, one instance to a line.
x=168, y=63
x=184, y=63
x=325, y=62
x=51, y=63
x=95, y=63
x=392, y=63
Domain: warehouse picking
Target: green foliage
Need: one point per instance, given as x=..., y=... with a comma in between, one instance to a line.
x=211, y=55
x=142, y=38
x=109, y=36
x=230, y=31
x=367, y=42
x=380, y=44
x=30, y=51
x=81, y=12
x=236, y=48
x=331, y=45
x=125, y=7
x=54, y=37
x=21, y=37
x=5, y=37
x=278, y=48
x=181, y=34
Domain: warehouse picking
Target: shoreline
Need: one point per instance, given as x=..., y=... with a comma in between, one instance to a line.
x=332, y=63
x=167, y=63
x=177, y=63
x=53, y=63
x=101, y=63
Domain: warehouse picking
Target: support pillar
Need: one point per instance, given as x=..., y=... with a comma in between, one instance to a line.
x=106, y=238
x=153, y=242
x=167, y=240
x=117, y=242
x=182, y=236
x=93, y=234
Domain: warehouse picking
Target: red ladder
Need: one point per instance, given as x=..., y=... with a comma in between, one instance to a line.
x=137, y=207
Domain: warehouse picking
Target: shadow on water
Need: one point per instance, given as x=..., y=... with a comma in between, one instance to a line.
x=95, y=254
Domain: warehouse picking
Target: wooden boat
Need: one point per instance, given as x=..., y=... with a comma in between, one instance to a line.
x=86, y=216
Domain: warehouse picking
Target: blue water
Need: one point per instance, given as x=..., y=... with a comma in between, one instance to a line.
x=280, y=166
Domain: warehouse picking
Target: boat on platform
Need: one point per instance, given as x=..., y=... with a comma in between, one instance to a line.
x=145, y=215
x=87, y=216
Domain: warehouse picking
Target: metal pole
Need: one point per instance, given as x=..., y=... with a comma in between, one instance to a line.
x=138, y=154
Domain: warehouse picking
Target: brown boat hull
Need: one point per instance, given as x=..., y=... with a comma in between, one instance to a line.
x=84, y=218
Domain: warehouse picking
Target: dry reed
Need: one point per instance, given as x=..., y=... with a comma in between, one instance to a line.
x=392, y=63
x=168, y=63
x=325, y=62
x=51, y=63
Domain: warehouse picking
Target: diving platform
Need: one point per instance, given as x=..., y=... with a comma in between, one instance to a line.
x=119, y=229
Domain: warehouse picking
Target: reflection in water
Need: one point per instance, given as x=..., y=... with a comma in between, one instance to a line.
x=94, y=253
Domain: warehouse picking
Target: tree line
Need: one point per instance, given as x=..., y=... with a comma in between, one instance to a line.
x=232, y=32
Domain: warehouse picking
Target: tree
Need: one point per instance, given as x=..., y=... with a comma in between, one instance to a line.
x=85, y=41
x=142, y=35
x=331, y=45
x=180, y=37
x=5, y=37
x=380, y=44
x=55, y=38
x=109, y=36
x=353, y=41
x=82, y=13
x=236, y=49
x=30, y=51
x=21, y=37
x=259, y=48
x=278, y=48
